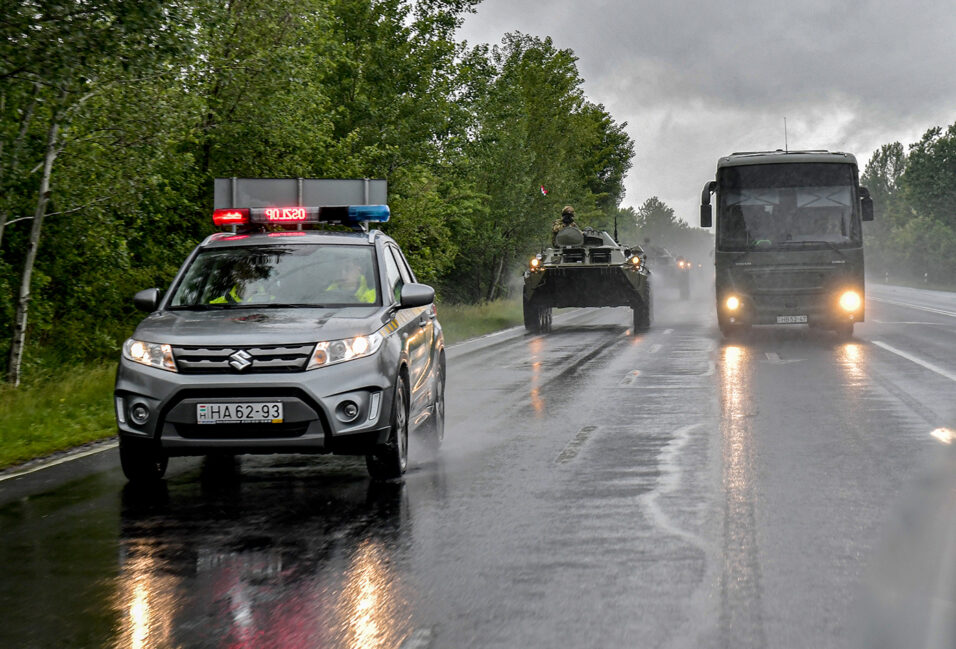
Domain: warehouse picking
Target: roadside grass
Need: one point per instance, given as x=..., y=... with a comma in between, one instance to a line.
x=59, y=412
x=56, y=413
x=463, y=321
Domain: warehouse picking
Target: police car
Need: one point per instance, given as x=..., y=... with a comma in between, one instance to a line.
x=279, y=336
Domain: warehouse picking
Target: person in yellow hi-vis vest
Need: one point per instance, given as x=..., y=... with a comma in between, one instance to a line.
x=352, y=282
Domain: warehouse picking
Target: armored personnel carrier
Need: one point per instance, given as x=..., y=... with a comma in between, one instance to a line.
x=586, y=268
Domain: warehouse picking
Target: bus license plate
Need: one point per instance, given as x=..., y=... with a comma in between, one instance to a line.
x=239, y=413
x=791, y=319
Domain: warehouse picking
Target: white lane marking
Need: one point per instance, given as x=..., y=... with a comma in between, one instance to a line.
x=774, y=358
x=418, y=639
x=571, y=450
x=60, y=460
x=951, y=314
x=896, y=322
x=667, y=332
x=945, y=435
x=654, y=349
x=919, y=361
x=771, y=356
x=629, y=378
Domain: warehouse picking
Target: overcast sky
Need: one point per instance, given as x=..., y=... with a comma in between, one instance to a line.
x=698, y=80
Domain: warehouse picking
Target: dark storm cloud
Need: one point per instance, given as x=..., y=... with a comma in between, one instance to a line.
x=697, y=80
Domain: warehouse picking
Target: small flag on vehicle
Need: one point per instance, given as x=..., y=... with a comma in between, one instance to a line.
x=544, y=191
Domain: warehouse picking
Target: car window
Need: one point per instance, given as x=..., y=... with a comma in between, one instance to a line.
x=393, y=275
x=406, y=271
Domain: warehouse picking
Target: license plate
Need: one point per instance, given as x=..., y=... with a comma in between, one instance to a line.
x=239, y=413
x=791, y=319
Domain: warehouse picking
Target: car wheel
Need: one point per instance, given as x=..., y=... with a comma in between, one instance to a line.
x=142, y=460
x=435, y=426
x=389, y=460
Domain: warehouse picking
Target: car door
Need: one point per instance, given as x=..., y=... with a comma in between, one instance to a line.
x=421, y=341
x=407, y=321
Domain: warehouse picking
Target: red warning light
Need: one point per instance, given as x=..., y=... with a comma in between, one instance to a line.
x=285, y=214
x=231, y=216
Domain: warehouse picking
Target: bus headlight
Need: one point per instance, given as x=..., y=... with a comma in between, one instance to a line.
x=732, y=303
x=850, y=301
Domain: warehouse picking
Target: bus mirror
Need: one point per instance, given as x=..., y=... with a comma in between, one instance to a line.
x=866, y=203
x=706, y=217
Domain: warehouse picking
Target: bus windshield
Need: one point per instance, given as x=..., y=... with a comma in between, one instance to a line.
x=781, y=206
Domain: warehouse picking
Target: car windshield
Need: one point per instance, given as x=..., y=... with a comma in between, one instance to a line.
x=305, y=275
x=787, y=205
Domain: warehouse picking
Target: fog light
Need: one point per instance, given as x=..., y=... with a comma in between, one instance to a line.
x=850, y=301
x=733, y=303
x=347, y=411
x=139, y=413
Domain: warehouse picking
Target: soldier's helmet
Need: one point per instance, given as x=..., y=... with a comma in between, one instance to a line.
x=567, y=214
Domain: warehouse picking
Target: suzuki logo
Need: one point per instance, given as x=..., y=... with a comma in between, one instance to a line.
x=240, y=359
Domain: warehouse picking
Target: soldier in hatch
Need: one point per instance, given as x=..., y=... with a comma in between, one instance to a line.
x=566, y=221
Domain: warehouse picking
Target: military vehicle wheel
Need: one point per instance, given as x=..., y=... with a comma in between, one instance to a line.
x=530, y=316
x=142, y=460
x=434, y=429
x=389, y=460
x=544, y=319
x=642, y=317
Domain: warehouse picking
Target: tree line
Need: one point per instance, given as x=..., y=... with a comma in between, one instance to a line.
x=914, y=196
x=116, y=115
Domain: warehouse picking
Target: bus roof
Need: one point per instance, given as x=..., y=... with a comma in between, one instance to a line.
x=780, y=157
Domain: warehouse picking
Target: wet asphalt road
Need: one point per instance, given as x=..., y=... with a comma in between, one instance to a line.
x=596, y=489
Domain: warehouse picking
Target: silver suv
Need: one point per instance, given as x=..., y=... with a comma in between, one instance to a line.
x=288, y=341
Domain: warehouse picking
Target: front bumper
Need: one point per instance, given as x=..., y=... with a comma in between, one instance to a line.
x=812, y=308
x=314, y=417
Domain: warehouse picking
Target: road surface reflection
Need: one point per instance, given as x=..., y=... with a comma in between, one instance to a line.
x=284, y=562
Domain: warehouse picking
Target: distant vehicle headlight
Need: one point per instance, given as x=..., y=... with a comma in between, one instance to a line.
x=329, y=352
x=152, y=354
x=732, y=303
x=850, y=301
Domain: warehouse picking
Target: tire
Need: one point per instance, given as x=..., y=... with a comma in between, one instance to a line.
x=544, y=319
x=142, y=460
x=531, y=322
x=434, y=429
x=642, y=317
x=734, y=331
x=844, y=330
x=389, y=460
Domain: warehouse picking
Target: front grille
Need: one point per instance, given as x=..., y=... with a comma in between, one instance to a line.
x=788, y=280
x=261, y=360
x=600, y=256
x=241, y=431
x=572, y=255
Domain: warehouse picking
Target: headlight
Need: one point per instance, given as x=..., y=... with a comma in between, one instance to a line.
x=535, y=262
x=733, y=303
x=635, y=261
x=850, y=301
x=337, y=351
x=152, y=354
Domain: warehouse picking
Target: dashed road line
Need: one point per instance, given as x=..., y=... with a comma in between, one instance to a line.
x=571, y=450
x=919, y=361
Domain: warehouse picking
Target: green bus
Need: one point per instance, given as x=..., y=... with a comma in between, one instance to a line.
x=789, y=239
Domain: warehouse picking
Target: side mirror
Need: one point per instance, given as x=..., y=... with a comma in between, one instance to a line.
x=416, y=295
x=866, y=203
x=706, y=215
x=147, y=300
